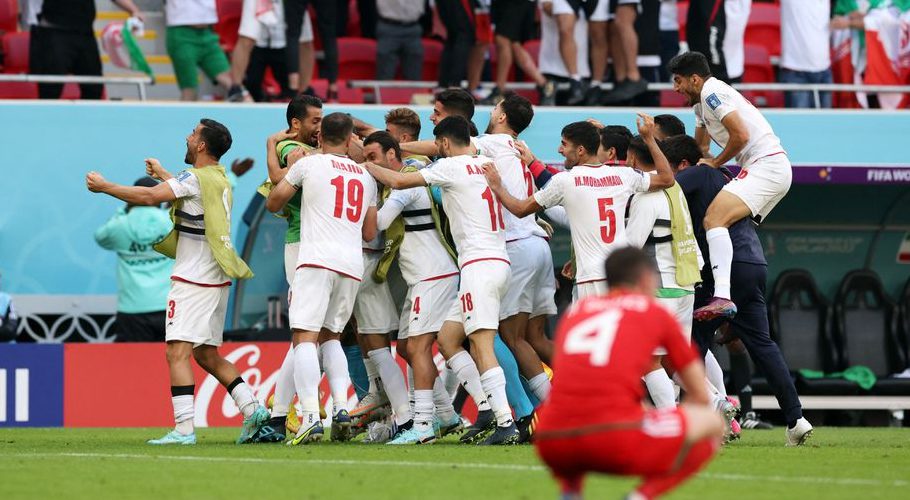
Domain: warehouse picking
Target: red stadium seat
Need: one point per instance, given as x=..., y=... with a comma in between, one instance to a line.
x=764, y=27
x=229, y=12
x=670, y=99
x=532, y=47
x=356, y=58
x=346, y=95
x=399, y=96
x=18, y=90
x=353, y=27
x=758, y=69
x=682, y=10
x=9, y=15
x=432, y=54
x=15, y=52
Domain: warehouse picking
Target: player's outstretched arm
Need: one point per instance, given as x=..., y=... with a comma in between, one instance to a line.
x=279, y=196
x=425, y=148
x=155, y=170
x=392, y=179
x=520, y=208
x=134, y=195
x=362, y=128
x=739, y=137
x=664, y=177
x=370, y=228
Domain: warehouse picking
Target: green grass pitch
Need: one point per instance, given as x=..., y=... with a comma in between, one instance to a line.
x=115, y=463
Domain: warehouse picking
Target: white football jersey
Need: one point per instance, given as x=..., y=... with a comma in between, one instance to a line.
x=337, y=193
x=194, y=262
x=595, y=199
x=717, y=101
x=475, y=213
x=516, y=178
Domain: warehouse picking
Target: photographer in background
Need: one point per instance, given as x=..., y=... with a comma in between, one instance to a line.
x=9, y=320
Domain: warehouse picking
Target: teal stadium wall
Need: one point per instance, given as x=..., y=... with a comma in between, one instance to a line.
x=47, y=217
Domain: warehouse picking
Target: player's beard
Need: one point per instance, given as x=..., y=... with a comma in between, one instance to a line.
x=189, y=157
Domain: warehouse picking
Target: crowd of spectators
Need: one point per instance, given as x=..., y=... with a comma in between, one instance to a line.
x=583, y=44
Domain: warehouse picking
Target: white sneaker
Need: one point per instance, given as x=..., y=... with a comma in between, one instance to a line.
x=799, y=433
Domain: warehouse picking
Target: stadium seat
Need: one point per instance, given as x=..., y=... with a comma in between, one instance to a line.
x=763, y=27
x=399, y=95
x=432, y=54
x=799, y=317
x=671, y=99
x=346, y=95
x=229, y=12
x=353, y=26
x=682, y=10
x=356, y=58
x=15, y=52
x=9, y=15
x=18, y=90
x=758, y=69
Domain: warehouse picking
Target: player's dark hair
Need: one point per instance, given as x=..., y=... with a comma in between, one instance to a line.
x=637, y=145
x=679, y=148
x=216, y=137
x=299, y=106
x=688, y=64
x=518, y=111
x=583, y=134
x=385, y=141
x=616, y=137
x=455, y=128
x=670, y=125
x=457, y=102
x=405, y=118
x=336, y=128
x=625, y=266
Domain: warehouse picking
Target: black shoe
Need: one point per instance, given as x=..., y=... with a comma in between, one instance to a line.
x=485, y=423
x=309, y=91
x=577, y=90
x=593, y=96
x=626, y=91
x=526, y=427
x=237, y=94
x=547, y=93
x=494, y=97
x=502, y=436
x=752, y=421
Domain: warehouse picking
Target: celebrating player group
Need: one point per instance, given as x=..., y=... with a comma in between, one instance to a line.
x=664, y=254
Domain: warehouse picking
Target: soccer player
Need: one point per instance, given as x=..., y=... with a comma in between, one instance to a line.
x=668, y=126
x=701, y=185
x=205, y=262
x=593, y=196
x=340, y=212
x=594, y=420
x=414, y=236
x=723, y=115
x=478, y=229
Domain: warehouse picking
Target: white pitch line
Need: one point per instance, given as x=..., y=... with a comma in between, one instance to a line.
x=843, y=481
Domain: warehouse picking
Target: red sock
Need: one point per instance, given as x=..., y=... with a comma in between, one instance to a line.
x=699, y=454
x=570, y=486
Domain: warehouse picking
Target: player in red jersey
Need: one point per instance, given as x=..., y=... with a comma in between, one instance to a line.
x=593, y=420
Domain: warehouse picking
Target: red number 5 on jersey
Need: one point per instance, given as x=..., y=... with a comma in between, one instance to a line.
x=608, y=217
x=594, y=336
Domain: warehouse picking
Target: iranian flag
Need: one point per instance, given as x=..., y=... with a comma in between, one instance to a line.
x=843, y=69
x=888, y=50
x=121, y=46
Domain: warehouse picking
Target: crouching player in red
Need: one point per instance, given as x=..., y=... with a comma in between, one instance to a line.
x=593, y=420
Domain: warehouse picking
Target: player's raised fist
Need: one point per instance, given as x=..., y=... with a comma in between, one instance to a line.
x=94, y=181
x=153, y=168
x=646, y=125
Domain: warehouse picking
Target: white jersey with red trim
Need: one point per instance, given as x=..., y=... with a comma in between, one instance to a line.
x=717, y=101
x=475, y=213
x=516, y=178
x=595, y=199
x=194, y=262
x=338, y=193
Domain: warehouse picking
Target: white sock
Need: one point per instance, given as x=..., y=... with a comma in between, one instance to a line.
x=393, y=382
x=244, y=398
x=463, y=365
x=443, y=402
x=721, y=250
x=335, y=366
x=183, y=413
x=423, y=409
x=540, y=386
x=576, y=77
x=494, y=384
x=373, y=375
x=715, y=374
x=284, y=386
x=411, y=387
x=451, y=381
x=306, y=380
x=660, y=387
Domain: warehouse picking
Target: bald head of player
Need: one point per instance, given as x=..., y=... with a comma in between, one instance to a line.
x=336, y=131
x=207, y=143
x=511, y=115
x=304, y=115
x=382, y=149
x=453, y=137
x=631, y=269
x=579, y=144
x=682, y=152
x=689, y=70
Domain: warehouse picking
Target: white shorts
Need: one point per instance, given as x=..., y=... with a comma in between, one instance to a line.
x=682, y=308
x=763, y=184
x=427, y=306
x=374, y=308
x=306, y=31
x=321, y=299
x=532, y=269
x=483, y=285
x=563, y=7
x=196, y=313
x=601, y=12
x=545, y=297
x=291, y=251
x=590, y=289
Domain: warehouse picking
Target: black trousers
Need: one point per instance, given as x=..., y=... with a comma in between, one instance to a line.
x=460, y=35
x=140, y=327
x=54, y=51
x=260, y=60
x=751, y=326
x=706, y=25
x=326, y=21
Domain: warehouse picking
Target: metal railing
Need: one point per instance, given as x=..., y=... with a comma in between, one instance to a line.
x=815, y=88
x=139, y=81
